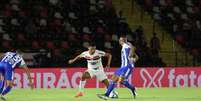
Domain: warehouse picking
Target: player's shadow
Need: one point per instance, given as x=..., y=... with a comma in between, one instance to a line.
x=124, y=98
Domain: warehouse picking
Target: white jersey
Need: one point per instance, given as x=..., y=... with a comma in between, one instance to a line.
x=94, y=61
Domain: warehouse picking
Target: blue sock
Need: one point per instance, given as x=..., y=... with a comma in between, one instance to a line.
x=6, y=90
x=110, y=88
x=128, y=85
x=1, y=86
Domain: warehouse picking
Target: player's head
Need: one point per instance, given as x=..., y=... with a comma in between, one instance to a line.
x=122, y=39
x=92, y=47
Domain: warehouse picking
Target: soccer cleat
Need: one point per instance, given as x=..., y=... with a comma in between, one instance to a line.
x=115, y=97
x=3, y=99
x=103, y=96
x=79, y=94
x=134, y=93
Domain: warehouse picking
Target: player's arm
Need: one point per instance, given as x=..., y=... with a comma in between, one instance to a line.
x=75, y=59
x=29, y=77
x=108, y=55
x=24, y=66
x=132, y=55
x=109, y=59
x=135, y=56
x=28, y=73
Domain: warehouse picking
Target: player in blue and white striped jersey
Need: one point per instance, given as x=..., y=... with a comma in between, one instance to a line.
x=128, y=59
x=9, y=61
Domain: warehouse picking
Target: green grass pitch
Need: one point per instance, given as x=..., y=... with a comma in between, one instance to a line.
x=144, y=94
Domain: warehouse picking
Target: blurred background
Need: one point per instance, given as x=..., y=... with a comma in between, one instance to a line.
x=165, y=32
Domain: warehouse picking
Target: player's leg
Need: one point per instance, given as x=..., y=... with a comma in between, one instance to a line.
x=7, y=88
x=110, y=88
x=1, y=76
x=106, y=82
x=102, y=77
x=112, y=84
x=113, y=94
x=129, y=86
x=124, y=80
x=9, y=84
x=2, y=70
x=121, y=75
x=1, y=82
x=84, y=77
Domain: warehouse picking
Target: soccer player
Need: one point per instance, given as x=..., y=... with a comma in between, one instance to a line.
x=128, y=57
x=95, y=67
x=9, y=61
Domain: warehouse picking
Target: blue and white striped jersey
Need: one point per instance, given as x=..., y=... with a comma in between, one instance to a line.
x=13, y=59
x=125, y=51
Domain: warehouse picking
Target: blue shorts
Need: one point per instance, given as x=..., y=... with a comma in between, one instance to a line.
x=124, y=71
x=6, y=71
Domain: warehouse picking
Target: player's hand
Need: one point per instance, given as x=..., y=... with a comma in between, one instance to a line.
x=107, y=67
x=70, y=61
x=132, y=59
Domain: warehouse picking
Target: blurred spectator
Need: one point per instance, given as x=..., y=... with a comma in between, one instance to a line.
x=108, y=45
x=180, y=18
x=86, y=30
x=155, y=43
x=115, y=38
x=2, y=22
x=41, y=59
x=1, y=30
x=53, y=2
x=65, y=28
x=6, y=37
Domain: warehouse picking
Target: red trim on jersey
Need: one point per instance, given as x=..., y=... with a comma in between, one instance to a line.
x=92, y=58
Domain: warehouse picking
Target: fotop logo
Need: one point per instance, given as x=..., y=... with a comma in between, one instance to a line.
x=185, y=79
x=154, y=79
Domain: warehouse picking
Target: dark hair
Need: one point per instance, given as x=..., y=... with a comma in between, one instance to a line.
x=123, y=35
x=92, y=44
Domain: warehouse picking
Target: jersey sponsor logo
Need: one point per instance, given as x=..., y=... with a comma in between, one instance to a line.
x=92, y=58
x=93, y=63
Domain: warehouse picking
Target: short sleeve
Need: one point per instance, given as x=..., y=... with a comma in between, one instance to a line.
x=83, y=54
x=7, y=53
x=22, y=63
x=101, y=53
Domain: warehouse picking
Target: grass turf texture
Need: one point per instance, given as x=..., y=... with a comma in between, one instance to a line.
x=144, y=94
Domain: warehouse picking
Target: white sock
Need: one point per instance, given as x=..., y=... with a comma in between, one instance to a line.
x=81, y=85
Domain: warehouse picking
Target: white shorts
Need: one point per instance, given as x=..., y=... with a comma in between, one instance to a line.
x=100, y=74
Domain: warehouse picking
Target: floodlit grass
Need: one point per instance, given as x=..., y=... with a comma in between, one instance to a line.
x=144, y=94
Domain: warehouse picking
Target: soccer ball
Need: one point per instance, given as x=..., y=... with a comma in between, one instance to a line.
x=114, y=94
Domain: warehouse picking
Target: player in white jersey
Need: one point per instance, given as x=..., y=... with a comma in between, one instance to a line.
x=9, y=61
x=128, y=58
x=95, y=67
